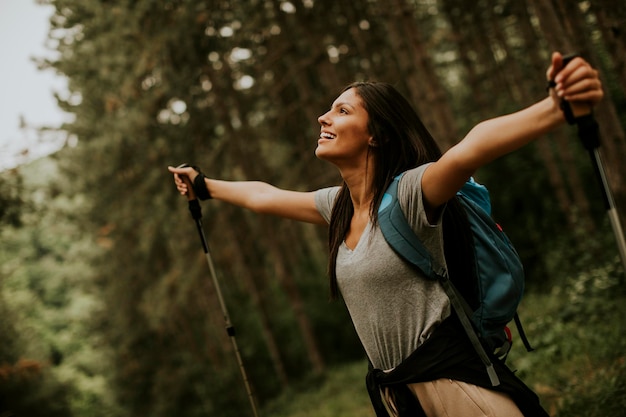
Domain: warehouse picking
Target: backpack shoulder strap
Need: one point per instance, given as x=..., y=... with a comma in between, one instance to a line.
x=400, y=236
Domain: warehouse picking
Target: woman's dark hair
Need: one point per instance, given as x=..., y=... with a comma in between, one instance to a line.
x=400, y=142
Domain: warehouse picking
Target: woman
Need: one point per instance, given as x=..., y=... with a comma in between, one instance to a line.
x=371, y=134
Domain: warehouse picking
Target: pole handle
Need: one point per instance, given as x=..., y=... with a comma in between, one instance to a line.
x=194, y=205
x=579, y=110
x=576, y=110
x=191, y=195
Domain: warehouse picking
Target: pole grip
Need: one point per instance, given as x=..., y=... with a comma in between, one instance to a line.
x=194, y=205
x=580, y=109
x=191, y=195
x=576, y=110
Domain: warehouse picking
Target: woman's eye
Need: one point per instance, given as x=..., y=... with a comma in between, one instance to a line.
x=343, y=111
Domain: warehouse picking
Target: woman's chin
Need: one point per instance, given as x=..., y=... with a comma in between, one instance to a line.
x=319, y=152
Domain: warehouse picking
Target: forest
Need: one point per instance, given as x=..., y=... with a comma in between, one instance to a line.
x=107, y=307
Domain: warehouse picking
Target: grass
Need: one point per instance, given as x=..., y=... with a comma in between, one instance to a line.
x=340, y=393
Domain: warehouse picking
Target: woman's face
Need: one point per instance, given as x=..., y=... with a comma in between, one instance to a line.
x=344, y=137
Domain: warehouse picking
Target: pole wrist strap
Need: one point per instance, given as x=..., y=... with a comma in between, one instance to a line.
x=200, y=188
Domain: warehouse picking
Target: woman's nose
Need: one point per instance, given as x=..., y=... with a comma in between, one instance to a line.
x=323, y=120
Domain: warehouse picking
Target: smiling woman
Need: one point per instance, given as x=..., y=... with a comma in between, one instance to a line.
x=371, y=134
x=27, y=93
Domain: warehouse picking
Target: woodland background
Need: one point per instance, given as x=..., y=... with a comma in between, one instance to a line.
x=106, y=302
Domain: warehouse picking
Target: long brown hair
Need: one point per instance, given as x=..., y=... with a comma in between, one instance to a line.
x=400, y=142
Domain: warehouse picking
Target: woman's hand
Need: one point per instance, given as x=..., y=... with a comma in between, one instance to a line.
x=577, y=82
x=179, y=174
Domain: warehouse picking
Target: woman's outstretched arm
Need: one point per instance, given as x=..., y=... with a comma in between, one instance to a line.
x=578, y=83
x=257, y=196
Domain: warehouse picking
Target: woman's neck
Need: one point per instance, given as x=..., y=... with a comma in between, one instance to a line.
x=360, y=184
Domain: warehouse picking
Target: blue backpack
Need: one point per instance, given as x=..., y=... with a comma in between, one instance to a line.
x=498, y=269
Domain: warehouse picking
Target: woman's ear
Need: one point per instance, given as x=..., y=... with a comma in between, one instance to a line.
x=372, y=142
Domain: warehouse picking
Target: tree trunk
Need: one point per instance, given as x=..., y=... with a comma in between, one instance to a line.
x=611, y=23
x=425, y=89
x=285, y=275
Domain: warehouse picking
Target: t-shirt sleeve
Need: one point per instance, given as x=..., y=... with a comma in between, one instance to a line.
x=324, y=201
x=412, y=201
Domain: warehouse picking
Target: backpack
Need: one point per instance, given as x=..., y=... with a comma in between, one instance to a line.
x=498, y=269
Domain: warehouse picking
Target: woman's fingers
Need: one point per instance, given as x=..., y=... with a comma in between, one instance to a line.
x=578, y=81
x=588, y=90
x=181, y=185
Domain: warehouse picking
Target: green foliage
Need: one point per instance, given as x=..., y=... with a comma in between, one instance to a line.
x=48, y=294
x=604, y=394
x=11, y=201
x=28, y=387
x=577, y=329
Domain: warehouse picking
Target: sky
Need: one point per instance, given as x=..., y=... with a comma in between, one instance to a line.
x=26, y=93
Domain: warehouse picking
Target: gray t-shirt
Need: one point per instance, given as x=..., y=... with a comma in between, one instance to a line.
x=394, y=308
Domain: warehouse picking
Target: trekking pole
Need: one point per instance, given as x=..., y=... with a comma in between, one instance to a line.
x=589, y=134
x=196, y=214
